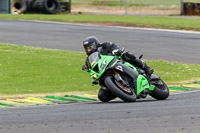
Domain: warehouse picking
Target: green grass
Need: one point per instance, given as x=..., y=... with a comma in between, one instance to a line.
x=141, y=21
x=37, y=70
x=174, y=73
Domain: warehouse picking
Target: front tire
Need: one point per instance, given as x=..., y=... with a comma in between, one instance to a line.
x=117, y=91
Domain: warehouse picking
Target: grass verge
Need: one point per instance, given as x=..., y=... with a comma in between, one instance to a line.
x=36, y=70
x=140, y=21
x=25, y=70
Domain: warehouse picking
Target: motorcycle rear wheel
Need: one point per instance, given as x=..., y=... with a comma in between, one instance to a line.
x=161, y=91
x=117, y=91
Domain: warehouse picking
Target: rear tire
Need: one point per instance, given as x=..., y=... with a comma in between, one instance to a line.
x=117, y=91
x=161, y=91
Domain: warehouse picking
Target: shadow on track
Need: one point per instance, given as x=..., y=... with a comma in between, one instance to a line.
x=120, y=101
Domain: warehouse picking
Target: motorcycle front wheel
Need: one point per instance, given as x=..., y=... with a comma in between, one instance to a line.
x=127, y=97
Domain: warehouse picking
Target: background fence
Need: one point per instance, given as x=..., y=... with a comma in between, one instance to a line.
x=123, y=7
x=129, y=7
x=4, y=6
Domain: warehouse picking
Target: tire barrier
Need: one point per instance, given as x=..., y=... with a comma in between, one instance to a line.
x=41, y=6
x=190, y=8
x=20, y=5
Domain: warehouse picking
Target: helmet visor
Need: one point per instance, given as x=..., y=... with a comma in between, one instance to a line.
x=88, y=48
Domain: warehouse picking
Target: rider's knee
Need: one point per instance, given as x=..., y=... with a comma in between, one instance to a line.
x=105, y=95
x=128, y=56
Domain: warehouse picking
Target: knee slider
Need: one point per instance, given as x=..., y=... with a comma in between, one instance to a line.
x=128, y=56
x=131, y=55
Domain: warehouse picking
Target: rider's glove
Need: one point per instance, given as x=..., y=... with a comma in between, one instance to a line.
x=94, y=82
x=118, y=52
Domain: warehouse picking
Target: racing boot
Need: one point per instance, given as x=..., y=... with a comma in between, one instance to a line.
x=147, y=69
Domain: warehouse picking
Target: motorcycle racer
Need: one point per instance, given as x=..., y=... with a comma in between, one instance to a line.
x=91, y=44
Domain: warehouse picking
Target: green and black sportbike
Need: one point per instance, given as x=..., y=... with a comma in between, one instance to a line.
x=123, y=79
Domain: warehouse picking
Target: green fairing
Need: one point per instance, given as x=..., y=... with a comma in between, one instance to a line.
x=99, y=63
x=122, y=78
x=142, y=84
x=128, y=64
x=151, y=88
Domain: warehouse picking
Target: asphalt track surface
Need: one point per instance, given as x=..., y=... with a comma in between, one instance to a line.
x=180, y=113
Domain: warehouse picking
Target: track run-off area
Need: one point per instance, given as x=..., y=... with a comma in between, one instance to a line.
x=179, y=113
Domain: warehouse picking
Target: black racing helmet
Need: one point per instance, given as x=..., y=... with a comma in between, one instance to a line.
x=91, y=44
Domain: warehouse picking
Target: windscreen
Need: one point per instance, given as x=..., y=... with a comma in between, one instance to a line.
x=93, y=59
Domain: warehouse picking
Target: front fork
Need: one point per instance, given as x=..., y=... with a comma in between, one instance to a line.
x=121, y=83
x=119, y=79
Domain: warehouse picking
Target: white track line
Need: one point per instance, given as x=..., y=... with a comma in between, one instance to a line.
x=186, y=92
